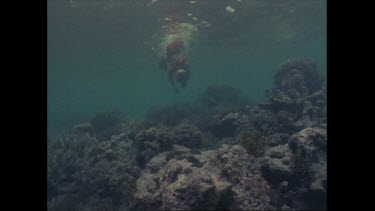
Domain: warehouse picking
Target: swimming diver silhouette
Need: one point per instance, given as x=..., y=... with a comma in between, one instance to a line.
x=175, y=63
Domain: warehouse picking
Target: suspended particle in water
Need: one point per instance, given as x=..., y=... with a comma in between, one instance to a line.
x=194, y=18
x=230, y=9
x=192, y=2
x=167, y=19
x=189, y=14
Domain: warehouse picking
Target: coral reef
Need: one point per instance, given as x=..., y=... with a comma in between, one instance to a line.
x=106, y=123
x=302, y=164
x=216, y=153
x=228, y=124
x=205, y=112
x=83, y=171
x=277, y=164
x=186, y=135
x=277, y=139
x=65, y=157
x=226, y=178
x=310, y=164
x=298, y=98
x=264, y=121
x=111, y=169
x=150, y=142
x=253, y=142
x=154, y=140
x=298, y=77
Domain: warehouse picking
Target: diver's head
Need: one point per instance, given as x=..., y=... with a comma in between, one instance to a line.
x=181, y=77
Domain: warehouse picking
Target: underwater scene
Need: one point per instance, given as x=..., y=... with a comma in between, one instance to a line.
x=186, y=105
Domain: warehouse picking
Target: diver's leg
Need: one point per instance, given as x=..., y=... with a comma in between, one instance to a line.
x=171, y=81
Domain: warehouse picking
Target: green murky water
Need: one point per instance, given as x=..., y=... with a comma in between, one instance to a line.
x=100, y=53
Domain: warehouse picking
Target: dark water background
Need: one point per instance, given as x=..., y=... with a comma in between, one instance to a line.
x=100, y=57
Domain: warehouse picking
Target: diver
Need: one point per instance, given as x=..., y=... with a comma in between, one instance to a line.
x=175, y=63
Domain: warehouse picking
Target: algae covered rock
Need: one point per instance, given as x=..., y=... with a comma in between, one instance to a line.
x=111, y=168
x=186, y=135
x=298, y=75
x=228, y=124
x=310, y=165
x=277, y=164
x=226, y=178
x=87, y=174
x=265, y=121
x=154, y=140
x=298, y=97
x=253, y=142
x=150, y=142
x=302, y=163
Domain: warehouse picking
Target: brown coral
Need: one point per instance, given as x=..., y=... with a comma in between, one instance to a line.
x=252, y=141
